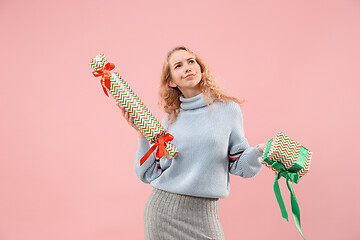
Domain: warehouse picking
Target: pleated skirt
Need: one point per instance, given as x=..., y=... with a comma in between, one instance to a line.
x=171, y=216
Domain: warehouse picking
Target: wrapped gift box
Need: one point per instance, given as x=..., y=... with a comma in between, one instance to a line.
x=293, y=156
x=149, y=126
x=290, y=160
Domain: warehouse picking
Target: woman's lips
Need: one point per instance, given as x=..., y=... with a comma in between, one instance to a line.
x=190, y=75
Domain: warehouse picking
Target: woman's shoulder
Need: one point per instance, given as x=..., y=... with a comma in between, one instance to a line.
x=230, y=106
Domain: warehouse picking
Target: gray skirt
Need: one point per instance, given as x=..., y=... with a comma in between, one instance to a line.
x=171, y=216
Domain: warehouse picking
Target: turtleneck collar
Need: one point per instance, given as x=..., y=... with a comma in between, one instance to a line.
x=192, y=103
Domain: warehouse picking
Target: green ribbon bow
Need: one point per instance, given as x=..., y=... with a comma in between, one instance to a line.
x=288, y=174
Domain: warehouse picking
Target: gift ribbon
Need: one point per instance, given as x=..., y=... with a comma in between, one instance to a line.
x=161, y=147
x=104, y=73
x=288, y=174
x=294, y=205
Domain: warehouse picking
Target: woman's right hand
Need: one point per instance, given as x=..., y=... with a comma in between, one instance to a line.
x=130, y=120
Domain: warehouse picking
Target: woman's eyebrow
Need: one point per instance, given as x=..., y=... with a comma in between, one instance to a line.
x=180, y=62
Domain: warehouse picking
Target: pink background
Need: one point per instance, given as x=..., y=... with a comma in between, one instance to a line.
x=66, y=153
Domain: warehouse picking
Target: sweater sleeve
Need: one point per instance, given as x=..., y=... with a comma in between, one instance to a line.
x=243, y=159
x=151, y=168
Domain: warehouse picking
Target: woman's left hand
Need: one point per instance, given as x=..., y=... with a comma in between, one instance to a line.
x=261, y=147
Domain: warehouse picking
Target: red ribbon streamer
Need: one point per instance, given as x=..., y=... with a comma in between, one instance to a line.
x=105, y=76
x=161, y=149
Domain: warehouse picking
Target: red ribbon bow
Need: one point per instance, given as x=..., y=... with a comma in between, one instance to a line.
x=105, y=76
x=161, y=149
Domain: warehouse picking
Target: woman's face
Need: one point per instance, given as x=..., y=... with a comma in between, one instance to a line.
x=185, y=73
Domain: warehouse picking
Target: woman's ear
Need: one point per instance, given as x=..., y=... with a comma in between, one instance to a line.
x=172, y=84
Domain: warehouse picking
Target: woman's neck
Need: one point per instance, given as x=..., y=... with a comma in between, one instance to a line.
x=189, y=93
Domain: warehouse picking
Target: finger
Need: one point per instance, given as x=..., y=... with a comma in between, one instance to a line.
x=131, y=120
x=119, y=106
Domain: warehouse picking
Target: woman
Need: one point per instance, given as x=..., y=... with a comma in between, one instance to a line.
x=208, y=132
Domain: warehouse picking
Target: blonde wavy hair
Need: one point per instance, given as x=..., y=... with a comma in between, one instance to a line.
x=169, y=96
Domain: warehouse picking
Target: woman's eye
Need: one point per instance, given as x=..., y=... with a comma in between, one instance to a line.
x=191, y=61
x=176, y=66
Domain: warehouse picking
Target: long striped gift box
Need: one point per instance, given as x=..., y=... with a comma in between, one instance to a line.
x=149, y=126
